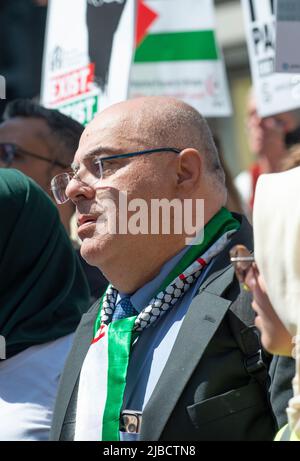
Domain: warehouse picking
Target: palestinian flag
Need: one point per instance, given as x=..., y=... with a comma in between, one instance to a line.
x=176, y=54
x=92, y=410
x=175, y=30
x=102, y=382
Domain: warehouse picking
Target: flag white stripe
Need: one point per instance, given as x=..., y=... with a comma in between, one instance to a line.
x=198, y=83
x=182, y=15
x=92, y=392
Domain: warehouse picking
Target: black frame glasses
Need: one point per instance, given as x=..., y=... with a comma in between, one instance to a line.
x=142, y=152
x=60, y=182
x=8, y=152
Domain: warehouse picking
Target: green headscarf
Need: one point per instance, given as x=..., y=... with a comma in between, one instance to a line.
x=43, y=291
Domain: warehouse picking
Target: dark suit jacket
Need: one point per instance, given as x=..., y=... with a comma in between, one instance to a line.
x=204, y=391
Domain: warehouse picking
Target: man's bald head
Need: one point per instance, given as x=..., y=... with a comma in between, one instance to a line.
x=163, y=121
x=168, y=179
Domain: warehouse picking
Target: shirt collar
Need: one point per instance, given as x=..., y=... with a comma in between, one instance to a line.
x=143, y=295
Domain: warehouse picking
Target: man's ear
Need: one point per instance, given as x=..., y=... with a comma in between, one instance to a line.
x=189, y=169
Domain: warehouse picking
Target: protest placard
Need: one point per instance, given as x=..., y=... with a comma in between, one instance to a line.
x=87, y=56
x=177, y=54
x=287, y=36
x=275, y=93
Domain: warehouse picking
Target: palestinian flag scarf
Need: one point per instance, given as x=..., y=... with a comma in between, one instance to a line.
x=103, y=374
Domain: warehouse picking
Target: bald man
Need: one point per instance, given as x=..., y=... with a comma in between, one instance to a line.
x=169, y=352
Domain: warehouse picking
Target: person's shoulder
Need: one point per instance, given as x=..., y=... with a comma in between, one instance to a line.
x=286, y=435
x=279, y=435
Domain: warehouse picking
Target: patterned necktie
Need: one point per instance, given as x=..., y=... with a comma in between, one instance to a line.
x=124, y=308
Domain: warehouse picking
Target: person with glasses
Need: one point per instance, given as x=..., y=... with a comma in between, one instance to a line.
x=274, y=276
x=43, y=293
x=158, y=357
x=41, y=143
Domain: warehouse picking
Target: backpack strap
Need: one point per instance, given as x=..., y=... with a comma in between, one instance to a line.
x=241, y=321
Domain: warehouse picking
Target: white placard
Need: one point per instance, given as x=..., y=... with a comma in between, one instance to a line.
x=287, y=36
x=177, y=55
x=275, y=93
x=87, y=56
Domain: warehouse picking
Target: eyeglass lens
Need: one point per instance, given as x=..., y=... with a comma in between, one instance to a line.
x=89, y=176
x=7, y=153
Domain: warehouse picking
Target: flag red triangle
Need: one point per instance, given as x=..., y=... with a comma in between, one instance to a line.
x=145, y=18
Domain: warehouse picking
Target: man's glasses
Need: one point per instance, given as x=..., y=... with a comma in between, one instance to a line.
x=9, y=152
x=95, y=169
x=242, y=260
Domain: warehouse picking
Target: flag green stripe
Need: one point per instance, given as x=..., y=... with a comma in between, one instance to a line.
x=221, y=223
x=178, y=46
x=119, y=345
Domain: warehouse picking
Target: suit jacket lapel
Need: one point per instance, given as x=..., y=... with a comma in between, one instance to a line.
x=81, y=344
x=207, y=312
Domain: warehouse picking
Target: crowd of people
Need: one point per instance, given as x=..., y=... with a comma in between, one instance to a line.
x=141, y=336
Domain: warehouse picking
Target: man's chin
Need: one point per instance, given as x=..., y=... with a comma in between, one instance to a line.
x=93, y=249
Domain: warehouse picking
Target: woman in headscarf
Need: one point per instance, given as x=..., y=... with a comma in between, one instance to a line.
x=274, y=279
x=43, y=293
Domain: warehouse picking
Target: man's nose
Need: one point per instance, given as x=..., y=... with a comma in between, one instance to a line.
x=253, y=120
x=77, y=190
x=257, y=120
